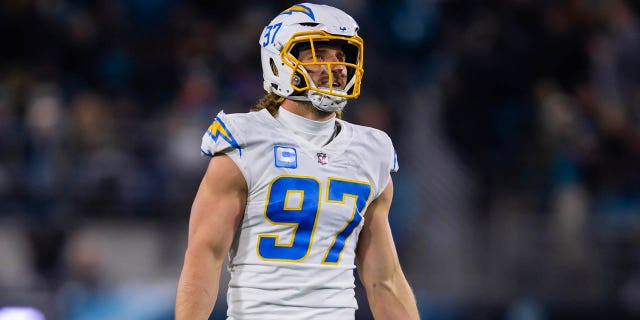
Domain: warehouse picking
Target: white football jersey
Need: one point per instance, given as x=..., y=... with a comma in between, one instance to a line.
x=294, y=253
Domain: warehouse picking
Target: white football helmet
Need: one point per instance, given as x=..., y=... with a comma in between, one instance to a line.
x=302, y=27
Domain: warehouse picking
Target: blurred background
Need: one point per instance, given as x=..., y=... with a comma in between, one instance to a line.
x=516, y=122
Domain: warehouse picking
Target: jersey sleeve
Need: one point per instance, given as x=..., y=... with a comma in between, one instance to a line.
x=394, y=166
x=388, y=162
x=222, y=136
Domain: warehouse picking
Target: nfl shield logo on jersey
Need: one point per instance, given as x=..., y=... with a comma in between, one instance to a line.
x=322, y=158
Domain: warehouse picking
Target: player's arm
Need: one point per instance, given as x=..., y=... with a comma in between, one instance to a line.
x=215, y=215
x=388, y=292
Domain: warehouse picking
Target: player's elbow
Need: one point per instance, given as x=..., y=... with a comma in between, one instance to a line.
x=387, y=282
x=385, y=286
x=204, y=253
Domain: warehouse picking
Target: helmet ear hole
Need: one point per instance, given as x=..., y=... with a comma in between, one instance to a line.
x=299, y=80
x=274, y=69
x=296, y=80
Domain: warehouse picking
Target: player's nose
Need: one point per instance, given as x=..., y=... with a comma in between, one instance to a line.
x=337, y=67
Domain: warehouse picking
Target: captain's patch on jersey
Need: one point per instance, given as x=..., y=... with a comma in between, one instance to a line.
x=285, y=157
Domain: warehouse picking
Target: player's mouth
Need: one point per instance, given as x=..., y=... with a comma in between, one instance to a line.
x=336, y=84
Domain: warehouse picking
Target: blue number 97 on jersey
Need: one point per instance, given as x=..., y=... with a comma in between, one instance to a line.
x=302, y=217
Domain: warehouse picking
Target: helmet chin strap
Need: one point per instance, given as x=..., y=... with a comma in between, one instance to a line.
x=325, y=102
x=321, y=101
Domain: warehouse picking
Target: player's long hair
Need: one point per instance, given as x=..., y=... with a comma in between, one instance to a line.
x=272, y=102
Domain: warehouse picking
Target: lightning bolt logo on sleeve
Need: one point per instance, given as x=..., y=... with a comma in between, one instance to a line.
x=218, y=130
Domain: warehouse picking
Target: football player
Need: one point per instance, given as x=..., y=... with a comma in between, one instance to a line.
x=295, y=196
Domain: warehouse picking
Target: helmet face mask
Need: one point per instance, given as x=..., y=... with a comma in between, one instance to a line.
x=312, y=42
x=312, y=29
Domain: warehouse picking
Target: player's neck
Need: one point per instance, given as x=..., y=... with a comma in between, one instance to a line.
x=318, y=133
x=305, y=109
